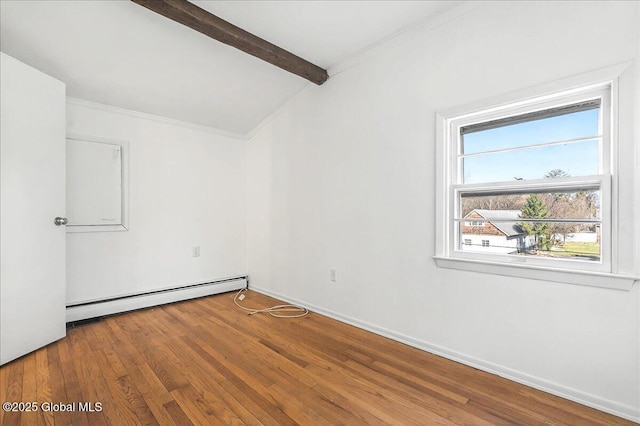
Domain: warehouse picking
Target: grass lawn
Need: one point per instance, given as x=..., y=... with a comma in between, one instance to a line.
x=578, y=249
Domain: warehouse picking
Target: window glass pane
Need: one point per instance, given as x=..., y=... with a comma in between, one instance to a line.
x=476, y=210
x=576, y=125
x=545, y=240
x=511, y=224
x=575, y=159
x=554, y=145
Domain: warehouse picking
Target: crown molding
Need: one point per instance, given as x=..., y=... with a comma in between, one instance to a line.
x=156, y=118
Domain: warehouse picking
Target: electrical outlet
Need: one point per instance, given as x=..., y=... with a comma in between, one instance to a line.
x=333, y=275
x=195, y=251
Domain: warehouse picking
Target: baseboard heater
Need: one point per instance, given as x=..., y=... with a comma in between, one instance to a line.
x=99, y=308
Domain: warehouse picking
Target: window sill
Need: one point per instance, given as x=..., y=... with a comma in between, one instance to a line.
x=570, y=276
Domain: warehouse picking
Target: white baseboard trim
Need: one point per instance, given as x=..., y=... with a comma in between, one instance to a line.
x=131, y=303
x=621, y=410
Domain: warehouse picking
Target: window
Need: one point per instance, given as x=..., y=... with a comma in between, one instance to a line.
x=474, y=223
x=534, y=173
x=541, y=172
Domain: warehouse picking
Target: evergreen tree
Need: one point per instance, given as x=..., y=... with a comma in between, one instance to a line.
x=559, y=206
x=556, y=173
x=534, y=208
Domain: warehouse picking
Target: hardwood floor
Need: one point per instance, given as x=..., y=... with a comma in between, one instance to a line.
x=206, y=362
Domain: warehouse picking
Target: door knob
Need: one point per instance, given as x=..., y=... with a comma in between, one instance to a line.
x=60, y=221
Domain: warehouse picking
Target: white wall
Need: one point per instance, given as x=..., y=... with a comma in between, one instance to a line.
x=344, y=178
x=186, y=188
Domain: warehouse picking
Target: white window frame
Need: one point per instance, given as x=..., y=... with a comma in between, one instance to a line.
x=601, y=181
x=449, y=253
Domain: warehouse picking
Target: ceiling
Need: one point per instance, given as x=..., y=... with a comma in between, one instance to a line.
x=120, y=54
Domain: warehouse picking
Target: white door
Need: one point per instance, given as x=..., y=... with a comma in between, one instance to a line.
x=32, y=195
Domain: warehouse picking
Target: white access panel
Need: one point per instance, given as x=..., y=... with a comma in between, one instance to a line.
x=32, y=195
x=94, y=183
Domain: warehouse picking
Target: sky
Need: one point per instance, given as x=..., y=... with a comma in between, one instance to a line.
x=577, y=159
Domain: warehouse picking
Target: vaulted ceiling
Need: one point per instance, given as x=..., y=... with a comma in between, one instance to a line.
x=120, y=54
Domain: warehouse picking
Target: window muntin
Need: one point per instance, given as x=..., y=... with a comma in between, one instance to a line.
x=575, y=154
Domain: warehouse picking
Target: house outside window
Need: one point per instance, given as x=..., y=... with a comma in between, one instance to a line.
x=507, y=237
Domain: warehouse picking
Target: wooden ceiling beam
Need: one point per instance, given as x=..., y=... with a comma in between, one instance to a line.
x=206, y=23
